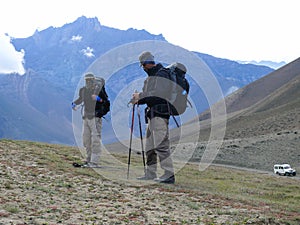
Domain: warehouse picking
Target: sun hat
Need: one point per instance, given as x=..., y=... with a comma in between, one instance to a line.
x=146, y=58
x=89, y=76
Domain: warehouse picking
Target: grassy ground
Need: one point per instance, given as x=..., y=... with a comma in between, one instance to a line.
x=40, y=186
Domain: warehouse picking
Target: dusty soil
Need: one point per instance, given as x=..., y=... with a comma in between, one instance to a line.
x=40, y=186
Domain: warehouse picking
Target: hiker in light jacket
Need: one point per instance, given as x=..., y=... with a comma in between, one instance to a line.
x=92, y=97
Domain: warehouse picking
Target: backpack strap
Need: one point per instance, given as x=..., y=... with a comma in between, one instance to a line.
x=172, y=76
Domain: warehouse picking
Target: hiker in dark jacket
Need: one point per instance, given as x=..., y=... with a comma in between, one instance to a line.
x=91, y=96
x=154, y=93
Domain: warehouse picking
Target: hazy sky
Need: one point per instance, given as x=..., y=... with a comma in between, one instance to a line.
x=231, y=29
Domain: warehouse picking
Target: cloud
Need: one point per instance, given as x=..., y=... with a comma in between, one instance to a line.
x=88, y=52
x=76, y=38
x=11, y=61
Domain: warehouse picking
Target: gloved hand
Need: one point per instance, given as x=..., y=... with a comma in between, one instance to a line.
x=135, y=97
x=74, y=106
x=97, y=98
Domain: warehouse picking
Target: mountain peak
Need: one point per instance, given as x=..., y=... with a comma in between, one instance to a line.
x=268, y=63
x=86, y=23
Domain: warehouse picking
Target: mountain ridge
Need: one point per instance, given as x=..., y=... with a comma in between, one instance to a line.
x=56, y=58
x=268, y=63
x=262, y=122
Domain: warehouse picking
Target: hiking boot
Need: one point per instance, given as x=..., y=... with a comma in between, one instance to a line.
x=147, y=176
x=77, y=164
x=90, y=165
x=165, y=179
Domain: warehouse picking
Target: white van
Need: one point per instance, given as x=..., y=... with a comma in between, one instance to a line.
x=284, y=169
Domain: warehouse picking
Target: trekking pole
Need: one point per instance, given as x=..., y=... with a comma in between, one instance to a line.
x=141, y=135
x=130, y=141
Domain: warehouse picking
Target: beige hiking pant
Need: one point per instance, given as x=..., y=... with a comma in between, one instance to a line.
x=92, y=139
x=158, y=145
